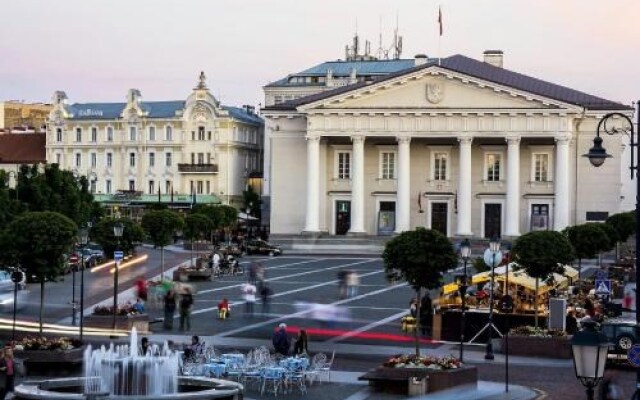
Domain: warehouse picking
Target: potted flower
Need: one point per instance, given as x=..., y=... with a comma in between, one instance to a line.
x=127, y=317
x=540, y=342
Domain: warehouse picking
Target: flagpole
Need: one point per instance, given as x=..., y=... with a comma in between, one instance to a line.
x=440, y=34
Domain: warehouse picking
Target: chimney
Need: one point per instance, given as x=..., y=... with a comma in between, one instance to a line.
x=420, y=59
x=494, y=57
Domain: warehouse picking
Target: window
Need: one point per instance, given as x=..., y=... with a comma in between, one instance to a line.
x=152, y=133
x=493, y=163
x=78, y=160
x=94, y=134
x=59, y=135
x=107, y=186
x=132, y=159
x=109, y=160
x=152, y=159
x=387, y=165
x=167, y=187
x=193, y=135
x=168, y=133
x=208, y=158
x=58, y=158
x=94, y=159
x=167, y=159
x=109, y=134
x=199, y=187
x=152, y=187
x=209, y=135
x=440, y=166
x=132, y=133
x=200, y=158
x=193, y=158
x=541, y=167
x=208, y=187
x=132, y=185
x=277, y=99
x=78, y=135
x=201, y=133
x=92, y=186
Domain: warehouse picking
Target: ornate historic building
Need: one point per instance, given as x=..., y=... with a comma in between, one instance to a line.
x=195, y=147
x=21, y=117
x=455, y=144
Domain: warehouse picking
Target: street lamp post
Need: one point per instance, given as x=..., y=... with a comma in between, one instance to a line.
x=16, y=277
x=84, y=239
x=465, y=254
x=118, y=229
x=494, y=247
x=589, y=349
x=597, y=156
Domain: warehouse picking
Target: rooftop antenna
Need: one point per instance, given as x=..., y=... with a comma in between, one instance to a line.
x=381, y=52
x=397, y=40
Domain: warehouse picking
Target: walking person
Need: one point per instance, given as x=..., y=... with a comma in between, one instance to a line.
x=342, y=284
x=265, y=295
x=169, y=309
x=300, y=347
x=352, y=281
x=281, y=340
x=186, y=302
x=249, y=295
x=426, y=314
x=7, y=370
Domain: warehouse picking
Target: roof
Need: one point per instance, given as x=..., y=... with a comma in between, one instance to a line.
x=155, y=109
x=153, y=198
x=25, y=148
x=481, y=70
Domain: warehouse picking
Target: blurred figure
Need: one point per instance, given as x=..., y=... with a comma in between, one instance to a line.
x=352, y=282
x=610, y=388
x=169, y=309
x=186, y=302
x=300, y=347
x=7, y=370
x=426, y=315
x=265, y=295
x=144, y=346
x=253, y=273
x=138, y=306
x=249, y=296
x=141, y=288
x=224, y=309
x=281, y=340
x=342, y=284
x=413, y=308
x=571, y=323
x=627, y=300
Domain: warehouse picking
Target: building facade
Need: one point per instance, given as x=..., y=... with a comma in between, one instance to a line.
x=196, y=147
x=463, y=146
x=21, y=117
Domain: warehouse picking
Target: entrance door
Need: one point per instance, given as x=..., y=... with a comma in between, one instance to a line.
x=540, y=217
x=343, y=217
x=387, y=218
x=492, y=220
x=439, y=217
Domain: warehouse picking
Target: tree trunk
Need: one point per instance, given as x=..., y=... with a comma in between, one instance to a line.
x=415, y=331
x=161, y=263
x=191, y=262
x=41, y=301
x=579, y=268
x=535, y=304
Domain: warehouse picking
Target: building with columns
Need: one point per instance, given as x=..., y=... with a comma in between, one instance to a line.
x=195, y=148
x=456, y=144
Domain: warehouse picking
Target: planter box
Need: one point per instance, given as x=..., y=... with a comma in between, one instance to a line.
x=51, y=362
x=139, y=321
x=192, y=275
x=552, y=347
x=418, y=381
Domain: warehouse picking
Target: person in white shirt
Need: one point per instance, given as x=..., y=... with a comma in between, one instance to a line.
x=249, y=295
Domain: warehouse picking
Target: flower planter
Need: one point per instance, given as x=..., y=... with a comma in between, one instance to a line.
x=123, y=322
x=405, y=380
x=51, y=362
x=548, y=347
x=192, y=274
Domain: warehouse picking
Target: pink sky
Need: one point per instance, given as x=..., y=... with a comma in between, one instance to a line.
x=96, y=50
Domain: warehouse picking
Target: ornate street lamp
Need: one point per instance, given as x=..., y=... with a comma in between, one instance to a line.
x=118, y=230
x=589, y=349
x=494, y=248
x=597, y=155
x=83, y=235
x=16, y=277
x=465, y=254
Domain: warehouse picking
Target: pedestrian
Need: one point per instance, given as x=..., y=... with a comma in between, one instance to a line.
x=300, y=347
x=141, y=288
x=426, y=314
x=352, y=282
x=249, y=296
x=169, y=309
x=265, y=295
x=7, y=370
x=224, y=309
x=186, y=302
x=253, y=273
x=610, y=388
x=571, y=323
x=342, y=284
x=281, y=340
x=626, y=301
x=413, y=308
x=138, y=306
x=144, y=346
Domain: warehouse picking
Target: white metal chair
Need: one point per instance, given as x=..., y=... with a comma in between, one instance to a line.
x=324, y=369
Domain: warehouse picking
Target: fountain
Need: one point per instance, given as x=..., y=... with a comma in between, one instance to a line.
x=120, y=372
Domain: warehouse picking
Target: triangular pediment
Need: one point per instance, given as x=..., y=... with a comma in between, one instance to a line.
x=434, y=88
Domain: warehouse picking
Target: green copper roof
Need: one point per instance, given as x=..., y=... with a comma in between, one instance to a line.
x=153, y=198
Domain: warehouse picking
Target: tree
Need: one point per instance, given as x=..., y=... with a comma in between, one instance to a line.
x=228, y=216
x=196, y=227
x=251, y=202
x=39, y=242
x=160, y=227
x=587, y=241
x=624, y=224
x=420, y=257
x=541, y=254
x=132, y=236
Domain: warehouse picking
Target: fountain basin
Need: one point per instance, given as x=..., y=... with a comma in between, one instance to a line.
x=189, y=387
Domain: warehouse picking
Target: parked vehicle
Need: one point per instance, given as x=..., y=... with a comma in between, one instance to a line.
x=259, y=246
x=7, y=290
x=622, y=334
x=96, y=250
x=231, y=249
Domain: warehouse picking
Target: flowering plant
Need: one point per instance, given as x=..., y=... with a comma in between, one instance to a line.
x=122, y=310
x=43, y=343
x=430, y=362
x=536, y=332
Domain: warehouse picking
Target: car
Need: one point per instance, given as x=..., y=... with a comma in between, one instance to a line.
x=622, y=334
x=259, y=246
x=230, y=249
x=96, y=250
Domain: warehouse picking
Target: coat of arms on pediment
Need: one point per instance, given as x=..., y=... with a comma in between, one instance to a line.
x=435, y=92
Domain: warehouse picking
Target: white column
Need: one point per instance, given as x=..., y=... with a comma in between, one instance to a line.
x=403, y=197
x=561, y=209
x=464, y=187
x=357, y=186
x=312, y=223
x=513, y=187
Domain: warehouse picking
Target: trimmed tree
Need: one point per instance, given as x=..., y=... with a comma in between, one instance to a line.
x=420, y=257
x=196, y=227
x=132, y=236
x=38, y=242
x=160, y=226
x=541, y=254
x=588, y=240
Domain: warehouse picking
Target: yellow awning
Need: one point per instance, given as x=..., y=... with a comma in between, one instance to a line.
x=450, y=288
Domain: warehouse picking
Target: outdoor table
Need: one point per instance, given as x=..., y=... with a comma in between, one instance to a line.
x=237, y=358
x=295, y=363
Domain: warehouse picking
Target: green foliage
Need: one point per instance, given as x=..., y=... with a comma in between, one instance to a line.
x=479, y=265
x=588, y=240
x=161, y=225
x=157, y=206
x=612, y=236
x=132, y=236
x=228, y=216
x=221, y=216
x=251, y=202
x=196, y=226
x=624, y=225
x=542, y=253
x=420, y=256
x=38, y=242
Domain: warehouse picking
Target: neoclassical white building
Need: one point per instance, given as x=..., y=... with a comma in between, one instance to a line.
x=457, y=144
x=196, y=147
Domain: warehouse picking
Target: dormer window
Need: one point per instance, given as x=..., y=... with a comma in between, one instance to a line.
x=201, y=133
x=132, y=133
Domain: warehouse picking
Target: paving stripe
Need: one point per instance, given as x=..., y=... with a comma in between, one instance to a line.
x=368, y=327
x=360, y=395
